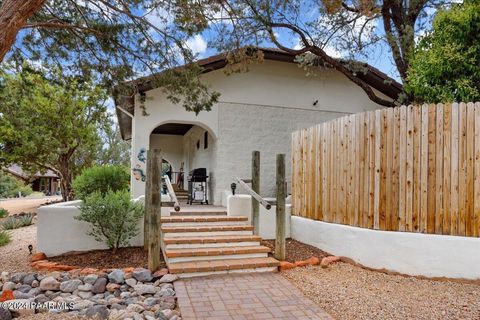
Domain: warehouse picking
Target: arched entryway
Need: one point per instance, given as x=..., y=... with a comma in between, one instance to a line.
x=186, y=146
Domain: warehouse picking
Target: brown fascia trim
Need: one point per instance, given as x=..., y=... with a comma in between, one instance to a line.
x=374, y=77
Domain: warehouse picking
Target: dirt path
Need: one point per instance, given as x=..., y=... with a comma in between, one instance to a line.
x=15, y=206
x=350, y=292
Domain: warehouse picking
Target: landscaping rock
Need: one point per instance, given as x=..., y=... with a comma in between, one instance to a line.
x=142, y=289
x=29, y=278
x=18, y=277
x=329, y=260
x=99, y=285
x=38, y=256
x=131, y=282
x=142, y=275
x=24, y=288
x=285, y=265
x=98, y=311
x=70, y=285
x=160, y=273
x=85, y=287
x=35, y=284
x=168, y=278
x=85, y=295
x=112, y=287
x=20, y=311
x=49, y=283
x=8, y=286
x=117, y=276
x=90, y=279
x=5, y=314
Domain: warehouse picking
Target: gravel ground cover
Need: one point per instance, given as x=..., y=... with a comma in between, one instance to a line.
x=15, y=206
x=296, y=251
x=350, y=292
x=15, y=256
x=104, y=259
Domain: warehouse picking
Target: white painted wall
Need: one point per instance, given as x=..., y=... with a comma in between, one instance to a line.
x=258, y=110
x=241, y=205
x=201, y=157
x=58, y=232
x=405, y=252
x=171, y=146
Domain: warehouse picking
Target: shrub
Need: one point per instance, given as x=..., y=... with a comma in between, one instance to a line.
x=3, y=213
x=15, y=222
x=113, y=216
x=4, y=238
x=10, y=187
x=101, y=179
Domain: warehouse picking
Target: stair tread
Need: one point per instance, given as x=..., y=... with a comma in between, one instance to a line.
x=221, y=265
x=207, y=228
x=212, y=239
x=216, y=251
x=200, y=218
x=198, y=213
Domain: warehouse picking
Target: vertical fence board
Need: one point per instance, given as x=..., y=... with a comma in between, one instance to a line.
x=409, y=172
x=439, y=170
x=371, y=170
x=454, y=171
x=417, y=153
x=431, y=169
x=462, y=163
x=402, y=169
x=476, y=231
x=469, y=223
x=447, y=164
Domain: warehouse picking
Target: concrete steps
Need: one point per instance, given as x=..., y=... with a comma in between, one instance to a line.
x=204, y=241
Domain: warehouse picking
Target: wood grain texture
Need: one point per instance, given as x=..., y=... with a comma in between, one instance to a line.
x=410, y=168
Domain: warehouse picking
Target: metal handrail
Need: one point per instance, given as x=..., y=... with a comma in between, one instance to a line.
x=254, y=195
x=171, y=191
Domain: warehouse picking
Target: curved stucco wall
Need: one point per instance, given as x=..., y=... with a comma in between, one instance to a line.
x=405, y=252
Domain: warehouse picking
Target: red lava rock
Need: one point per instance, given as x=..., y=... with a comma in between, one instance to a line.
x=301, y=263
x=38, y=256
x=128, y=270
x=7, y=295
x=160, y=273
x=87, y=271
x=285, y=265
x=328, y=260
x=313, y=261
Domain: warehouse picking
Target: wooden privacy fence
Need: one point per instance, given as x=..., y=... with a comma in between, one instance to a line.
x=410, y=168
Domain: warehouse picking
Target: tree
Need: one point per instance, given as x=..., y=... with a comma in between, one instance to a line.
x=446, y=63
x=113, y=149
x=329, y=32
x=49, y=124
x=106, y=41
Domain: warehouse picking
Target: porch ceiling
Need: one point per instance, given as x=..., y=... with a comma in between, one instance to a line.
x=178, y=129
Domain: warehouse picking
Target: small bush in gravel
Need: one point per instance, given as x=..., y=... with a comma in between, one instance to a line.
x=4, y=238
x=14, y=222
x=113, y=216
x=3, y=213
x=101, y=179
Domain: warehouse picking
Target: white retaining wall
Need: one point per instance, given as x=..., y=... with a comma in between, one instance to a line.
x=241, y=205
x=405, y=252
x=58, y=232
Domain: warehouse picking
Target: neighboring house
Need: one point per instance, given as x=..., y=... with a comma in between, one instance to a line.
x=47, y=182
x=257, y=110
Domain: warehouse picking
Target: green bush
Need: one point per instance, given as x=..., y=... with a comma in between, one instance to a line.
x=113, y=216
x=3, y=213
x=4, y=238
x=101, y=179
x=10, y=187
x=15, y=222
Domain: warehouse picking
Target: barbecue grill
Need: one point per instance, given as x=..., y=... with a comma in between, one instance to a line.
x=197, y=186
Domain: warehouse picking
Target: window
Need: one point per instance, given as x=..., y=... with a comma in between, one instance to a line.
x=205, y=140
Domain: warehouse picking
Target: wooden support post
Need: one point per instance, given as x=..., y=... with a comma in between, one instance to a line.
x=148, y=195
x=154, y=207
x=256, y=188
x=281, y=217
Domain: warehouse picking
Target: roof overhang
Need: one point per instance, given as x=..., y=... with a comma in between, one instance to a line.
x=373, y=77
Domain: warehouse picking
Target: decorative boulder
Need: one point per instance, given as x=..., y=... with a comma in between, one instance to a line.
x=49, y=283
x=142, y=275
x=117, y=276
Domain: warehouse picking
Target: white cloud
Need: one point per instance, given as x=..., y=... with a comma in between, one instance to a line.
x=159, y=17
x=197, y=44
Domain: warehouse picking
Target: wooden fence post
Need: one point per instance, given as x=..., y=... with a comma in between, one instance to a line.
x=280, y=214
x=153, y=207
x=256, y=188
x=148, y=200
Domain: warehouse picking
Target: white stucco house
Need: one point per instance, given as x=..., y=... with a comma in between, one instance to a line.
x=257, y=110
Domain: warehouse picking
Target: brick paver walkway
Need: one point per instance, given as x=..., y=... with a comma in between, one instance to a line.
x=244, y=296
